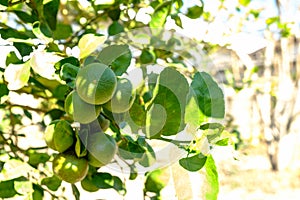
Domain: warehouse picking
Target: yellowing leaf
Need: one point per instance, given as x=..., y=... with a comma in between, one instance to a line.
x=43, y=64
x=89, y=43
x=17, y=75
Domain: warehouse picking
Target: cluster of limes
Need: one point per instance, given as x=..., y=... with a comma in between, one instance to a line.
x=97, y=88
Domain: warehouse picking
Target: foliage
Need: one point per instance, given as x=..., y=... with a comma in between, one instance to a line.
x=70, y=58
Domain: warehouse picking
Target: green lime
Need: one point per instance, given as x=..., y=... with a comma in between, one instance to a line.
x=59, y=135
x=70, y=168
x=80, y=110
x=123, y=98
x=96, y=83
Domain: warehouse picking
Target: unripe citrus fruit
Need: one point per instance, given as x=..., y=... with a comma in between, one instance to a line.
x=104, y=123
x=80, y=110
x=123, y=97
x=96, y=83
x=70, y=168
x=102, y=149
x=59, y=135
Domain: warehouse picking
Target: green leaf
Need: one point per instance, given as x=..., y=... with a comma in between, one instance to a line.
x=23, y=48
x=25, y=17
x=147, y=56
x=130, y=149
x=62, y=31
x=106, y=181
x=4, y=2
x=193, y=115
x=209, y=96
x=133, y=173
x=244, y=2
x=7, y=189
x=27, y=114
x=156, y=180
x=272, y=20
x=160, y=14
x=53, y=182
x=115, y=28
x=12, y=58
x=81, y=143
x=38, y=192
x=136, y=116
x=148, y=157
x=88, y=43
x=212, y=130
x=111, y=53
x=212, y=179
x=193, y=163
x=165, y=114
x=223, y=142
x=23, y=186
x=17, y=76
x=60, y=92
x=3, y=90
x=121, y=64
x=68, y=73
x=71, y=60
x=76, y=192
x=195, y=12
x=42, y=31
x=212, y=126
x=36, y=158
x=114, y=14
x=12, y=33
x=177, y=20
x=50, y=12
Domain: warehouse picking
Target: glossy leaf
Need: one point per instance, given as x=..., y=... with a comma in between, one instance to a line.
x=50, y=12
x=110, y=53
x=166, y=112
x=115, y=28
x=208, y=94
x=36, y=158
x=157, y=180
x=160, y=14
x=71, y=60
x=38, y=192
x=62, y=31
x=148, y=157
x=106, y=181
x=12, y=58
x=76, y=192
x=23, y=48
x=42, y=31
x=194, y=117
x=3, y=90
x=193, y=163
x=68, y=73
x=194, y=12
x=88, y=43
x=12, y=33
x=212, y=179
x=7, y=189
x=177, y=20
x=223, y=142
x=17, y=76
x=52, y=183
